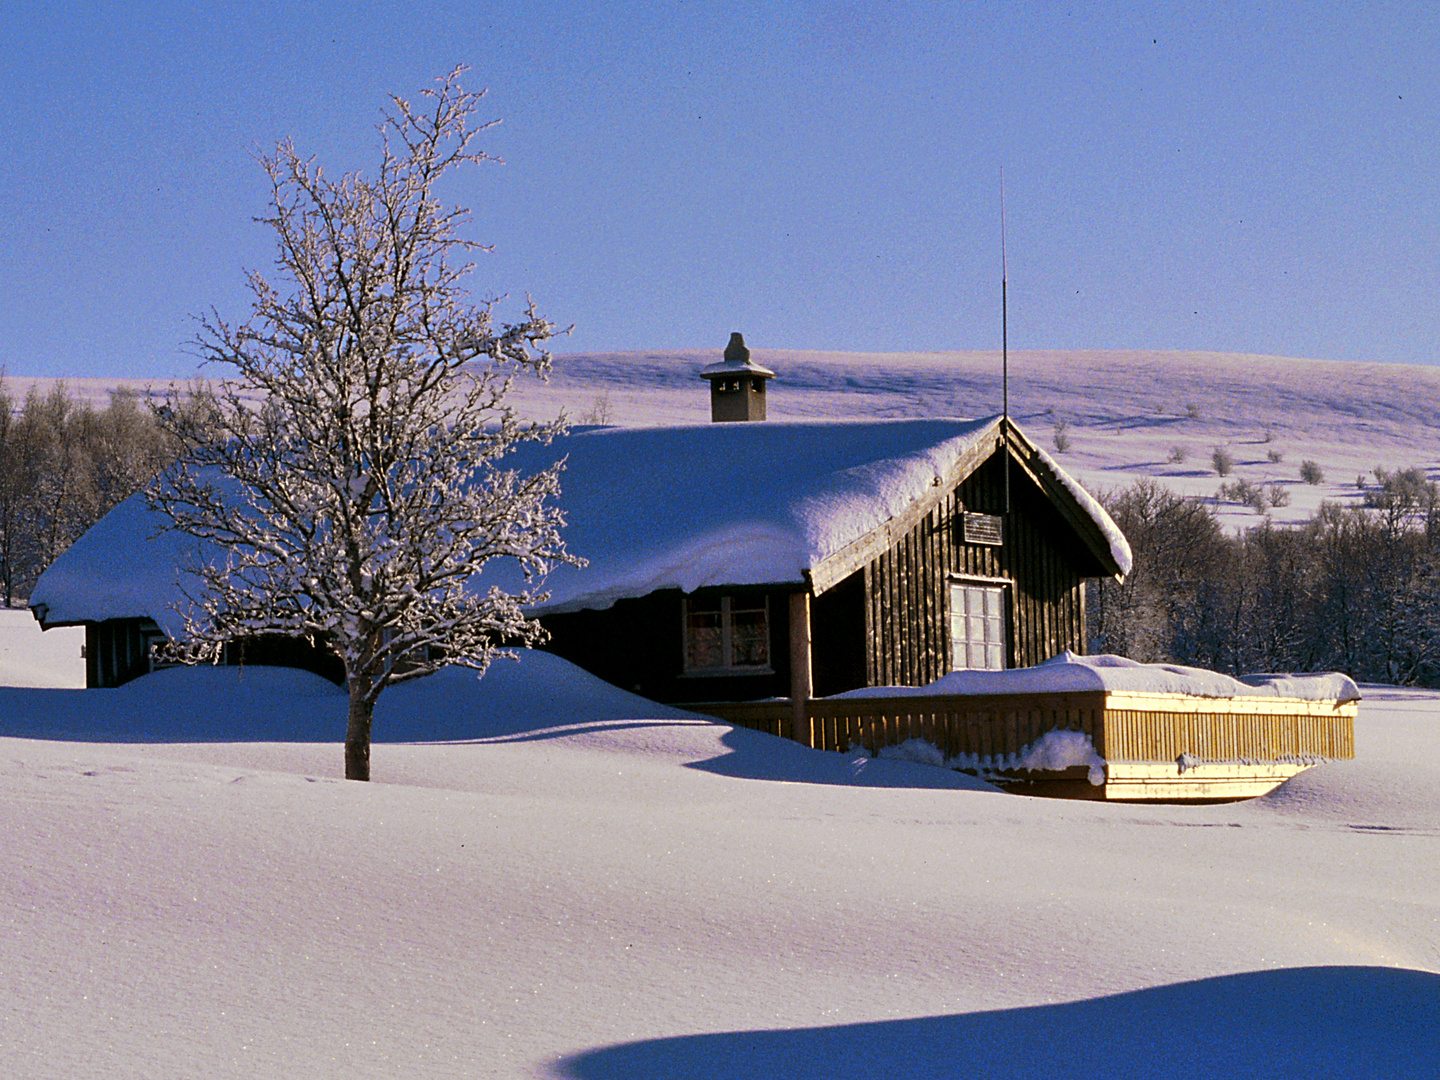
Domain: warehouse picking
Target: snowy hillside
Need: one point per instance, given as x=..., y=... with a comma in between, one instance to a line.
x=579, y=885
x=1126, y=414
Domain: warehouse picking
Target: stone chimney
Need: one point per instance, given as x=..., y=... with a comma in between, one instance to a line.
x=737, y=385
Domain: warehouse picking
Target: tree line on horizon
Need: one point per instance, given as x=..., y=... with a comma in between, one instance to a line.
x=63, y=465
x=1354, y=589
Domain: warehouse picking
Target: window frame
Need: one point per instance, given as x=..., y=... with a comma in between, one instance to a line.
x=728, y=667
x=1005, y=588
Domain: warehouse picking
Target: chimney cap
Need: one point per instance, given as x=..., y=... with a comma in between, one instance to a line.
x=736, y=352
x=737, y=362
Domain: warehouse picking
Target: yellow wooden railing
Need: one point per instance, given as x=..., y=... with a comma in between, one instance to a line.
x=1122, y=727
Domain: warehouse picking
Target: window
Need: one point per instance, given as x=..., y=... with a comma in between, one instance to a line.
x=725, y=634
x=977, y=626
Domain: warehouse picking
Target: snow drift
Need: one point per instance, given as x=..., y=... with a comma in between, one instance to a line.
x=601, y=893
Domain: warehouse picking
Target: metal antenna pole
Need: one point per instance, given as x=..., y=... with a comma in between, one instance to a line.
x=1004, y=344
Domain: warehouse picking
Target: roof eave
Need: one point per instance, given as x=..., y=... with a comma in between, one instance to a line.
x=605, y=600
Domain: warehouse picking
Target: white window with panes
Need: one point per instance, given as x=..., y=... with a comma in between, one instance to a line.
x=977, y=626
x=727, y=635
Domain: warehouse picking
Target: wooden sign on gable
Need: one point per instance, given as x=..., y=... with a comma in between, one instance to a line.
x=984, y=529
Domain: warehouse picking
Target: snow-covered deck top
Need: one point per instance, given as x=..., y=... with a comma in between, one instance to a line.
x=1069, y=673
x=649, y=508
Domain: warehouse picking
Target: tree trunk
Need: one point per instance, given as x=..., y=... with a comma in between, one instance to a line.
x=357, y=732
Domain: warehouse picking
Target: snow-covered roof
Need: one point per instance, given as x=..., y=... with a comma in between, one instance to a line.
x=649, y=508
x=730, y=367
x=1069, y=673
x=124, y=567
x=745, y=504
x=736, y=361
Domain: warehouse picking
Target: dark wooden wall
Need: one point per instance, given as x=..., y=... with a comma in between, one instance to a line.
x=118, y=650
x=837, y=637
x=907, y=632
x=277, y=650
x=638, y=644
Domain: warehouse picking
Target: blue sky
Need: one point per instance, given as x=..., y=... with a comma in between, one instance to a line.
x=1250, y=178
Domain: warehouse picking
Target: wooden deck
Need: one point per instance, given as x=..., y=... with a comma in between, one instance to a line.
x=1168, y=747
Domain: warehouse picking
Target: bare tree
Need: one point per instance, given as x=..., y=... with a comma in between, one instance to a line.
x=1155, y=610
x=1355, y=589
x=49, y=496
x=358, y=502
x=127, y=448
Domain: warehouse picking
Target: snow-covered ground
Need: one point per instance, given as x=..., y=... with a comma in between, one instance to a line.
x=578, y=884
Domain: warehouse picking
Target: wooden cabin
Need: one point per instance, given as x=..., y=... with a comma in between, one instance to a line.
x=730, y=561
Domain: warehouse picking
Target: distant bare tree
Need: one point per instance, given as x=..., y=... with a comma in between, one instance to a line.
x=1355, y=589
x=1175, y=540
x=12, y=492
x=1061, y=434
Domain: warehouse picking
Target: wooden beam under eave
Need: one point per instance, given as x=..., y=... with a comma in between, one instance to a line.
x=802, y=680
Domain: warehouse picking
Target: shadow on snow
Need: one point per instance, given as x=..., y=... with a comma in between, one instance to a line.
x=540, y=698
x=1321, y=1022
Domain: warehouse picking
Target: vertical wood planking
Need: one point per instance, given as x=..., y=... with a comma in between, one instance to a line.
x=907, y=598
x=1129, y=735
